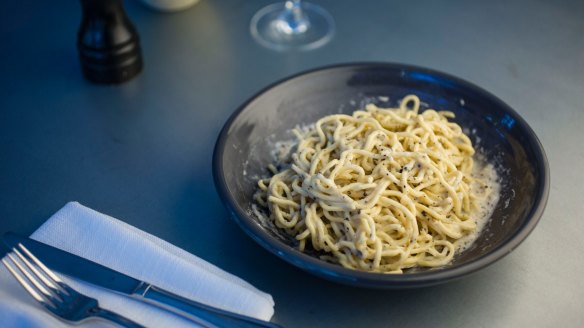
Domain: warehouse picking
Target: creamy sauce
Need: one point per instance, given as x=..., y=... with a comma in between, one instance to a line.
x=485, y=205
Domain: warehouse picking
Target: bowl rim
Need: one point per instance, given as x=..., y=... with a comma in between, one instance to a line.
x=341, y=274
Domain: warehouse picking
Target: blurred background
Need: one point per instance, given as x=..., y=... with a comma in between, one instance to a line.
x=141, y=151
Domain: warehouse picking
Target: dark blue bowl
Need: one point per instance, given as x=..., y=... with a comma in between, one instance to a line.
x=242, y=153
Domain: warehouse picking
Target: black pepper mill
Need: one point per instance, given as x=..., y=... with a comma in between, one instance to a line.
x=108, y=44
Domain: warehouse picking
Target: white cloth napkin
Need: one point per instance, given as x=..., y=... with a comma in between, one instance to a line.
x=124, y=248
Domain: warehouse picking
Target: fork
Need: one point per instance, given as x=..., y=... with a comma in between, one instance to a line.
x=55, y=295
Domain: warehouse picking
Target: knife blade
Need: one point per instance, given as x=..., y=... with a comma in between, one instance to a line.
x=97, y=274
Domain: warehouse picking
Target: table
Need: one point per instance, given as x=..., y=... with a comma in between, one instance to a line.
x=141, y=151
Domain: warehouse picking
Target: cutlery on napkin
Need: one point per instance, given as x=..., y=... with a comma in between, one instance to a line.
x=117, y=245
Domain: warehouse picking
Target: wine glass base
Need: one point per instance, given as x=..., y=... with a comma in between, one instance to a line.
x=270, y=29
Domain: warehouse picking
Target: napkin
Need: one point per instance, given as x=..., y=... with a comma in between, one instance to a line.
x=124, y=248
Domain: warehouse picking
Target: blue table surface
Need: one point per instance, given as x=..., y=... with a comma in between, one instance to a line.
x=141, y=151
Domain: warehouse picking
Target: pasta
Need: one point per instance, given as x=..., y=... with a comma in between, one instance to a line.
x=380, y=190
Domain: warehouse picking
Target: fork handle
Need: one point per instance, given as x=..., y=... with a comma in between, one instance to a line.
x=210, y=316
x=114, y=317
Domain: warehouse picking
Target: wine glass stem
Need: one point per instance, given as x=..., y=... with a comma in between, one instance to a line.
x=293, y=21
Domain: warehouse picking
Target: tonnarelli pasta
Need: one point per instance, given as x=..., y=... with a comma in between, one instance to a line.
x=380, y=190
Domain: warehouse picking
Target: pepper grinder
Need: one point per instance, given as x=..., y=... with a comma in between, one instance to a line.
x=108, y=44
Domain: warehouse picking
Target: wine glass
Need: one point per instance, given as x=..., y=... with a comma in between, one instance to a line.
x=292, y=25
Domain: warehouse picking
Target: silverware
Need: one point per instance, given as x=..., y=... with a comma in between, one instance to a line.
x=55, y=295
x=78, y=267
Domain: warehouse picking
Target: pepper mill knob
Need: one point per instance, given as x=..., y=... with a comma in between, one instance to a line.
x=108, y=44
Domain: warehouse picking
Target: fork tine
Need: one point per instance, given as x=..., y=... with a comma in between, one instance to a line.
x=58, y=286
x=28, y=275
x=40, y=264
x=23, y=281
x=42, y=277
x=75, y=307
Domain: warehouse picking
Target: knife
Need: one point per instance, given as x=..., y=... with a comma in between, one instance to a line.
x=97, y=274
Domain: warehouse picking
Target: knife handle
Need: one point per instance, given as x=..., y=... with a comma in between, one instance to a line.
x=203, y=314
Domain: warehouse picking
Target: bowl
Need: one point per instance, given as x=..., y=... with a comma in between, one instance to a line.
x=242, y=153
